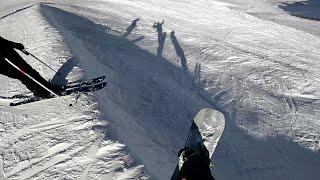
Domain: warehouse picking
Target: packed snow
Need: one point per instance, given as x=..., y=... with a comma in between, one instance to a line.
x=256, y=61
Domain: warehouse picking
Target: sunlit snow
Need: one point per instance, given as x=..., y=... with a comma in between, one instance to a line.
x=255, y=61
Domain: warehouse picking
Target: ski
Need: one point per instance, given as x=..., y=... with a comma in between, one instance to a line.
x=84, y=88
x=205, y=131
x=17, y=96
x=80, y=89
x=26, y=100
x=84, y=83
x=67, y=86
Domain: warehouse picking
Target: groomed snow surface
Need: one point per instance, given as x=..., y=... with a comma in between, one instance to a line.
x=255, y=61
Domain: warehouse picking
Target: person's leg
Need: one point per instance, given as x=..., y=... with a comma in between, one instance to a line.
x=30, y=84
x=15, y=58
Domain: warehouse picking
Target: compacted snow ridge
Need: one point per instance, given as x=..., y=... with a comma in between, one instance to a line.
x=256, y=61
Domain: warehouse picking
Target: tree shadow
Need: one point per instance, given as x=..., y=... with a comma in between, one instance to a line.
x=161, y=37
x=309, y=9
x=60, y=77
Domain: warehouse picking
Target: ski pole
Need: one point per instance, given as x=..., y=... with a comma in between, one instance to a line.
x=26, y=74
x=28, y=53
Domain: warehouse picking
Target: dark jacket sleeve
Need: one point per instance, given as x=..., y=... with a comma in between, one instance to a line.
x=6, y=43
x=182, y=172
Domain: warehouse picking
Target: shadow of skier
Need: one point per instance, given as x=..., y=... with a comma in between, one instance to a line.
x=183, y=59
x=132, y=26
x=60, y=77
x=161, y=37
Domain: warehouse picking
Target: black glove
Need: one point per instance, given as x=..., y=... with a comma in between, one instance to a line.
x=19, y=46
x=181, y=151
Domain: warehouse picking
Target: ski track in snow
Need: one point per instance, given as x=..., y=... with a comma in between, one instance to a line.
x=257, y=66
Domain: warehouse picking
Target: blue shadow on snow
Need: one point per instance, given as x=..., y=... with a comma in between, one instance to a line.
x=154, y=95
x=309, y=9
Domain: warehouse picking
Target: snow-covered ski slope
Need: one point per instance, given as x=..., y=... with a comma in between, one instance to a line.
x=251, y=60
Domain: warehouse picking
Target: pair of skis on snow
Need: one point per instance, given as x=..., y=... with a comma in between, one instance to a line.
x=73, y=87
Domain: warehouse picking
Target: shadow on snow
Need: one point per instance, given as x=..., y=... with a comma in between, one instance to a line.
x=61, y=75
x=309, y=9
x=157, y=94
x=161, y=37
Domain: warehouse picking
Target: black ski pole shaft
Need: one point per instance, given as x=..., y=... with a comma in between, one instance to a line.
x=28, y=53
x=26, y=74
